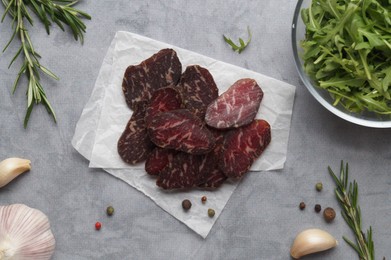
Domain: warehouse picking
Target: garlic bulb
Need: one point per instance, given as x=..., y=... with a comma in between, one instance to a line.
x=311, y=241
x=10, y=168
x=25, y=234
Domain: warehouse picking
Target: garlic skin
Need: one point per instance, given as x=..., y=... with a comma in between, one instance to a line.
x=25, y=234
x=311, y=241
x=11, y=168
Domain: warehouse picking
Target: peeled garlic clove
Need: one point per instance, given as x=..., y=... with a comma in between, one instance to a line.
x=25, y=234
x=311, y=241
x=12, y=167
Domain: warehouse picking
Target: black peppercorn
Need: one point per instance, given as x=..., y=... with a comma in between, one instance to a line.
x=302, y=205
x=318, y=208
x=186, y=204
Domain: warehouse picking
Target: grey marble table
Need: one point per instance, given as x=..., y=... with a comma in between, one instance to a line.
x=262, y=217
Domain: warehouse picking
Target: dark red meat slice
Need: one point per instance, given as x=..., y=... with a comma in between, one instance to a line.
x=134, y=144
x=212, y=176
x=236, y=107
x=180, y=130
x=242, y=146
x=198, y=89
x=160, y=70
x=158, y=159
x=163, y=100
x=213, y=179
x=182, y=172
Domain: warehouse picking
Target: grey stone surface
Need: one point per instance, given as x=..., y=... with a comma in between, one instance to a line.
x=262, y=217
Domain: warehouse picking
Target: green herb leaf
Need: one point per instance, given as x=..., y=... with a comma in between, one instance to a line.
x=242, y=45
x=61, y=13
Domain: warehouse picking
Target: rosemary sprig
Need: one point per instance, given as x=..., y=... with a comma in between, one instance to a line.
x=347, y=196
x=60, y=12
x=242, y=46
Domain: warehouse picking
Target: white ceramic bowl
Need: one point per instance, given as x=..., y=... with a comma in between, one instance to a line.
x=323, y=97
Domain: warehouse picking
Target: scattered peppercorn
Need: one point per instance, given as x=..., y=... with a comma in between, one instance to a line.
x=98, y=225
x=318, y=208
x=319, y=186
x=203, y=199
x=302, y=205
x=110, y=210
x=329, y=214
x=211, y=213
x=186, y=204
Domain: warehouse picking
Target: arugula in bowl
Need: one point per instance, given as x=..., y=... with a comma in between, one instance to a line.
x=347, y=51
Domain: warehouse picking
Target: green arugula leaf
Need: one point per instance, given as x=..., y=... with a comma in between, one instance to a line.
x=347, y=52
x=242, y=45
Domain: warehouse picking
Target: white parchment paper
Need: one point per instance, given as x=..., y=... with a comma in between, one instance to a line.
x=106, y=114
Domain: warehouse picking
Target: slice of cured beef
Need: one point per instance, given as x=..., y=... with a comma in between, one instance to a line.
x=134, y=144
x=181, y=130
x=242, y=146
x=212, y=176
x=236, y=107
x=158, y=159
x=160, y=70
x=198, y=89
x=181, y=172
x=213, y=179
x=163, y=100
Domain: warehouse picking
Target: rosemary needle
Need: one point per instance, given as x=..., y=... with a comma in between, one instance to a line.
x=60, y=12
x=347, y=196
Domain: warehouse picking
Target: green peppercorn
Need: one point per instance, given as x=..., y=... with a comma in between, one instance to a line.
x=319, y=186
x=186, y=204
x=211, y=213
x=110, y=210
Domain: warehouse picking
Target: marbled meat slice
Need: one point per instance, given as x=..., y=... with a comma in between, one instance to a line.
x=134, y=144
x=160, y=70
x=242, y=146
x=212, y=176
x=158, y=159
x=181, y=130
x=163, y=100
x=236, y=107
x=180, y=173
x=198, y=89
x=213, y=179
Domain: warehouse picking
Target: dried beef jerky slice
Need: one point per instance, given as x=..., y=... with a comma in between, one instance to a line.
x=236, y=107
x=181, y=130
x=160, y=70
x=212, y=176
x=242, y=146
x=163, y=100
x=158, y=159
x=213, y=179
x=180, y=173
x=198, y=89
x=134, y=144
